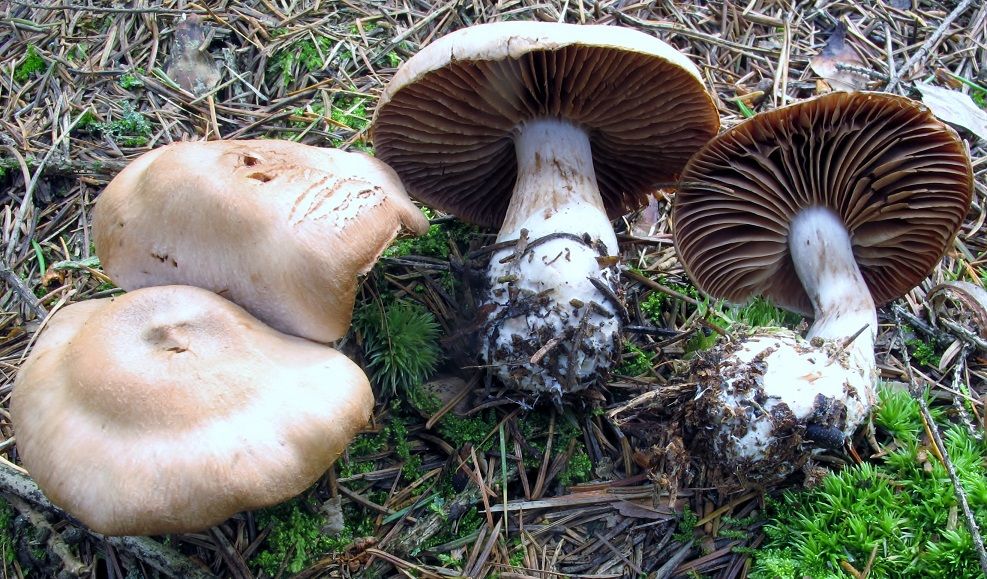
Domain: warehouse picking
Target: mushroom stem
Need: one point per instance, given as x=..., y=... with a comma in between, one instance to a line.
x=556, y=188
x=547, y=309
x=824, y=261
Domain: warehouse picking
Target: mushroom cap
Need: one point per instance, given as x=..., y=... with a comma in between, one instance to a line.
x=900, y=180
x=169, y=409
x=446, y=120
x=280, y=228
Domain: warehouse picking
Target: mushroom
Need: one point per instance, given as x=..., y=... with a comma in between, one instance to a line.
x=169, y=409
x=548, y=131
x=280, y=228
x=829, y=207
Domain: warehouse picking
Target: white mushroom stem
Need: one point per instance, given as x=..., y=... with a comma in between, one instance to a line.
x=556, y=193
x=556, y=189
x=824, y=261
x=777, y=380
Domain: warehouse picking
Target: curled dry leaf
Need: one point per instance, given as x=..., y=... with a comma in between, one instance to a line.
x=189, y=64
x=832, y=61
x=955, y=108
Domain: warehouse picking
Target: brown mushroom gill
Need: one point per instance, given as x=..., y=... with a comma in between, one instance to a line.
x=450, y=136
x=897, y=178
x=829, y=207
x=548, y=131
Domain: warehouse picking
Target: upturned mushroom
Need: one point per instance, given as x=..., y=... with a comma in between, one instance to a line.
x=169, y=409
x=829, y=207
x=548, y=131
x=280, y=228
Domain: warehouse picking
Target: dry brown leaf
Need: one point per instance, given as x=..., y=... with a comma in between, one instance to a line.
x=831, y=61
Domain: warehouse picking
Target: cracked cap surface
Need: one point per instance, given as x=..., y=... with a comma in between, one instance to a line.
x=280, y=228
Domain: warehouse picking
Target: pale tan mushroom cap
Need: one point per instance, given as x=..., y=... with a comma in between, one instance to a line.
x=280, y=228
x=900, y=180
x=446, y=120
x=169, y=409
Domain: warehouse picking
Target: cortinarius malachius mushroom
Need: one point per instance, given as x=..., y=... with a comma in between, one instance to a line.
x=168, y=409
x=548, y=131
x=829, y=207
x=280, y=228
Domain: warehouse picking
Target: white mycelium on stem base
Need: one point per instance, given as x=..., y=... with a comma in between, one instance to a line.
x=825, y=381
x=541, y=286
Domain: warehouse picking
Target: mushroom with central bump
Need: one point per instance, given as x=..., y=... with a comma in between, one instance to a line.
x=169, y=409
x=829, y=207
x=548, y=131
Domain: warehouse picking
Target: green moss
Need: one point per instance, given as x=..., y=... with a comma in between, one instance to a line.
x=88, y=123
x=578, y=470
x=423, y=401
x=703, y=339
x=900, y=506
x=458, y=430
x=898, y=415
x=435, y=243
x=635, y=361
x=653, y=305
x=687, y=526
x=517, y=556
x=131, y=80
x=132, y=129
x=400, y=343
x=32, y=63
x=759, y=313
x=78, y=52
x=306, y=52
x=350, y=111
x=923, y=353
x=411, y=464
x=464, y=526
x=297, y=537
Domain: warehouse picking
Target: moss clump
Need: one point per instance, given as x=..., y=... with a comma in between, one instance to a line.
x=298, y=536
x=923, y=353
x=32, y=63
x=350, y=111
x=411, y=464
x=468, y=523
x=900, y=506
x=456, y=430
x=578, y=470
x=654, y=304
x=400, y=343
x=635, y=361
x=760, y=313
x=308, y=53
x=459, y=431
x=435, y=243
x=131, y=80
x=132, y=129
